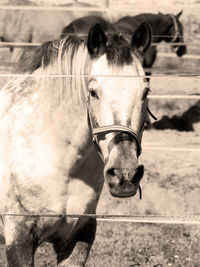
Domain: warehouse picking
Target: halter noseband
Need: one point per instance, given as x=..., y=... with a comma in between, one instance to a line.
x=131, y=135
x=121, y=129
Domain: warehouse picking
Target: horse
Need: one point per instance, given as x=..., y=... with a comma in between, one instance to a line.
x=63, y=136
x=165, y=27
x=30, y=25
x=83, y=24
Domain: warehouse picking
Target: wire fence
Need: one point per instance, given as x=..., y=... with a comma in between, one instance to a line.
x=190, y=8
x=157, y=75
x=157, y=219
x=152, y=219
x=27, y=44
x=160, y=54
x=106, y=7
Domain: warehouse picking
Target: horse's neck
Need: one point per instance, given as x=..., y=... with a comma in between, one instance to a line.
x=159, y=23
x=71, y=128
x=66, y=115
x=70, y=122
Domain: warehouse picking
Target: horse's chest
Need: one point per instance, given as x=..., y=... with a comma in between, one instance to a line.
x=82, y=198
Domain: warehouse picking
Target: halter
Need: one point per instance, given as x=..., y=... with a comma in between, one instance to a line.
x=103, y=130
x=175, y=28
x=131, y=135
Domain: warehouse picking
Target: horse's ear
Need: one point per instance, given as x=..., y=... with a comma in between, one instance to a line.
x=141, y=38
x=159, y=13
x=96, y=42
x=179, y=14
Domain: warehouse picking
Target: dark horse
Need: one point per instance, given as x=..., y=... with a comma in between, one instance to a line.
x=165, y=27
x=83, y=24
x=77, y=121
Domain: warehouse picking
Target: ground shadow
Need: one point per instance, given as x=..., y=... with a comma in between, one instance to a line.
x=181, y=123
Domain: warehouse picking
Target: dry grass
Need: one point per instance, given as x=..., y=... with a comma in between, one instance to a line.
x=128, y=244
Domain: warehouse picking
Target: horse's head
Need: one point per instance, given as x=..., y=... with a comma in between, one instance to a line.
x=117, y=105
x=176, y=30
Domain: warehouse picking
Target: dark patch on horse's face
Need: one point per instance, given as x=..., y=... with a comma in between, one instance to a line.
x=118, y=50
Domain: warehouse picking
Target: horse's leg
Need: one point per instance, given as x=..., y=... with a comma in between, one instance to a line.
x=20, y=242
x=75, y=252
x=77, y=235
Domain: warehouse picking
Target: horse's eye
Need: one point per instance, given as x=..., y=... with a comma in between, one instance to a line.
x=94, y=94
x=147, y=89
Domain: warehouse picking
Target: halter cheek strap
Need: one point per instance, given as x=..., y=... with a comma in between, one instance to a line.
x=175, y=28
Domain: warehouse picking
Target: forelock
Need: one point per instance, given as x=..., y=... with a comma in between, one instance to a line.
x=118, y=50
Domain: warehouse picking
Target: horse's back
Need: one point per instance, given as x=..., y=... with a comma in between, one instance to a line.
x=82, y=25
x=129, y=24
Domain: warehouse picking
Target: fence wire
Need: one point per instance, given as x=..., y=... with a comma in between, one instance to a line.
x=152, y=219
x=188, y=8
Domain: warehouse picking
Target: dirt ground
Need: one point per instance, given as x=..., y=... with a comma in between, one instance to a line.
x=170, y=187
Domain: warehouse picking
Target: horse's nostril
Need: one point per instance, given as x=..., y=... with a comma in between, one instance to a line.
x=111, y=172
x=139, y=173
x=121, y=181
x=111, y=186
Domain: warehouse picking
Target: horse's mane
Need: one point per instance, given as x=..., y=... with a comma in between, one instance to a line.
x=69, y=59
x=58, y=66
x=117, y=50
x=36, y=57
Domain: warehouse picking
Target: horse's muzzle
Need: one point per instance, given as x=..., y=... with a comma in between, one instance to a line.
x=124, y=182
x=182, y=50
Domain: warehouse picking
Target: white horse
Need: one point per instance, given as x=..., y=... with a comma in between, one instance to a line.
x=61, y=136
